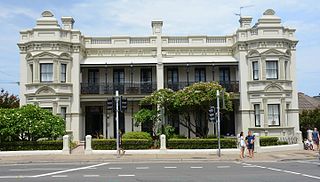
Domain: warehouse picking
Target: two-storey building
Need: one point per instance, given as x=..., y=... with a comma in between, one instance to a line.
x=74, y=74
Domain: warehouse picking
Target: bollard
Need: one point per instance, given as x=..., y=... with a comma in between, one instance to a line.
x=163, y=142
x=299, y=138
x=88, y=148
x=66, y=145
x=257, y=146
x=310, y=134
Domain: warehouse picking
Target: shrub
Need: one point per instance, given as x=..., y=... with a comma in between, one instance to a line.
x=32, y=145
x=110, y=144
x=31, y=123
x=137, y=135
x=271, y=140
x=201, y=143
x=175, y=136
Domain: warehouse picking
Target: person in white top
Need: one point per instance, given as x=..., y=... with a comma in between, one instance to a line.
x=242, y=145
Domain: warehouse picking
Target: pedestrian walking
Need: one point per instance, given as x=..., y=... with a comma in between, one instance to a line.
x=315, y=138
x=242, y=145
x=249, y=142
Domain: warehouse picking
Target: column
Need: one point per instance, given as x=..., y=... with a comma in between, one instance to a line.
x=36, y=72
x=157, y=31
x=55, y=70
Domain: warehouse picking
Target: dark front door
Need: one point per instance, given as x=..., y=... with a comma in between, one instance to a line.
x=118, y=80
x=146, y=80
x=94, y=121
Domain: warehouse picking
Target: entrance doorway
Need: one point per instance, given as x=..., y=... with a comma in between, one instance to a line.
x=94, y=121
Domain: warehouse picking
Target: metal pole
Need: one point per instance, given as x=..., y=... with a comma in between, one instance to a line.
x=218, y=123
x=117, y=122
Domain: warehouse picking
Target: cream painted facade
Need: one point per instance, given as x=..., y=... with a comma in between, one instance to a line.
x=75, y=74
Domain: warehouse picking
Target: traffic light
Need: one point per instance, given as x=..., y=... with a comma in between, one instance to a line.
x=110, y=104
x=212, y=114
x=123, y=104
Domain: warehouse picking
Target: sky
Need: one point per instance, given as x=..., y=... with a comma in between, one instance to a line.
x=180, y=17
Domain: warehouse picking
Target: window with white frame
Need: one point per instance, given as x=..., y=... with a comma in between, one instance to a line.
x=63, y=73
x=46, y=72
x=255, y=70
x=272, y=70
x=273, y=114
x=257, y=114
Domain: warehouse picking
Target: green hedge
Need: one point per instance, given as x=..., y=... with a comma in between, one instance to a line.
x=201, y=143
x=127, y=144
x=31, y=145
x=271, y=141
x=137, y=135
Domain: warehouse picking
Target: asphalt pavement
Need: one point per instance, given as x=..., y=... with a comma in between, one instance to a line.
x=156, y=171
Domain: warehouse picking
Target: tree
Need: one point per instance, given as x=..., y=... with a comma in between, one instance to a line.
x=29, y=122
x=8, y=100
x=194, y=99
x=146, y=116
x=309, y=119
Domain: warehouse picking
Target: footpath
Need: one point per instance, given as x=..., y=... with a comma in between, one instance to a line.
x=81, y=157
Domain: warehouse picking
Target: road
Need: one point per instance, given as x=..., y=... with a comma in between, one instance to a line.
x=156, y=171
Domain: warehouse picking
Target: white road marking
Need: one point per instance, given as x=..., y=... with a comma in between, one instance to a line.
x=274, y=169
x=261, y=167
x=90, y=175
x=310, y=176
x=14, y=177
x=115, y=168
x=249, y=166
x=196, y=167
x=170, y=167
x=291, y=172
x=142, y=167
x=59, y=176
x=126, y=175
x=69, y=170
x=223, y=167
x=36, y=169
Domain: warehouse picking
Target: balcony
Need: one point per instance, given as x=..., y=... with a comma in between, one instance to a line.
x=136, y=88
x=230, y=86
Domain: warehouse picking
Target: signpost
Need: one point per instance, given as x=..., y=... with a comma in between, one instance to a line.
x=117, y=104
